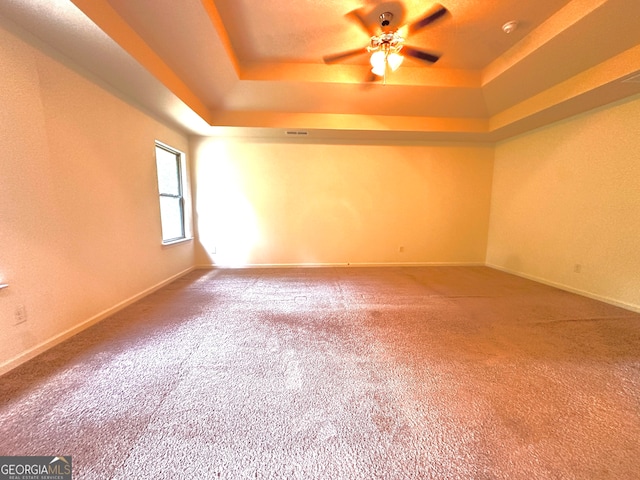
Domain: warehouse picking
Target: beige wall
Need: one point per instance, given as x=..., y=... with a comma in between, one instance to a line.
x=567, y=195
x=261, y=202
x=79, y=219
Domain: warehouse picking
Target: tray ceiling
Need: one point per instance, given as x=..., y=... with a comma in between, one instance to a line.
x=255, y=68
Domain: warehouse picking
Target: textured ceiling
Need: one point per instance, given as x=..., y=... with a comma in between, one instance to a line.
x=470, y=38
x=255, y=67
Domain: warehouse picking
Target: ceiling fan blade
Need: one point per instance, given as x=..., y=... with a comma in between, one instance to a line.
x=428, y=19
x=337, y=57
x=419, y=54
x=360, y=19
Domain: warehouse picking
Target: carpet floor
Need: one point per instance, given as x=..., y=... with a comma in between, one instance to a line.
x=339, y=373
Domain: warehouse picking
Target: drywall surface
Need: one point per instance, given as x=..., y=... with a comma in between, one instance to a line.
x=566, y=204
x=301, y=203
x=79, y=214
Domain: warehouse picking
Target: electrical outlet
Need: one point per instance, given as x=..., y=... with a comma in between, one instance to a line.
x=401, y=248
x=577, y=268
x=20, y=315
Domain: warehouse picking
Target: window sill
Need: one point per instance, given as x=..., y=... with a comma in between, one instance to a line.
x=177, y=242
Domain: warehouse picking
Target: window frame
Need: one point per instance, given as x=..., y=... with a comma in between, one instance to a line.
x=181, y=196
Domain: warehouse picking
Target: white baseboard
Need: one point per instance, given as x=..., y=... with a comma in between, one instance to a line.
x=567, y=288
x=344, y=264
x=61, y=337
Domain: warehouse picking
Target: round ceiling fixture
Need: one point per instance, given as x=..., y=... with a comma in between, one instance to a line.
x=509, y=26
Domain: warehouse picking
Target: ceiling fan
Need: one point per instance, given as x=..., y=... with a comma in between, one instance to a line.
x=387, y=46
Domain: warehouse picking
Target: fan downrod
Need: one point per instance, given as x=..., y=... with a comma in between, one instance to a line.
x=385, y=19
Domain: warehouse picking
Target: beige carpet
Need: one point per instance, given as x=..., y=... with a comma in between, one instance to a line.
x=353, y=373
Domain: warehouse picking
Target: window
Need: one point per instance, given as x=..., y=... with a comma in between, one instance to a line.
x=170, y=166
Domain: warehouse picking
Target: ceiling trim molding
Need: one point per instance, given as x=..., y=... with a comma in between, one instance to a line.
x=216, y=21
x=608, y=73
x=354, y=74
x=547, y=32
x=103, y=15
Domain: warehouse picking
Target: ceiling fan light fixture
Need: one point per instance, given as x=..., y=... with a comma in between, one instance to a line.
x=385, y=47
x=394, y=60
x=379, y=70
x=378, y=62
